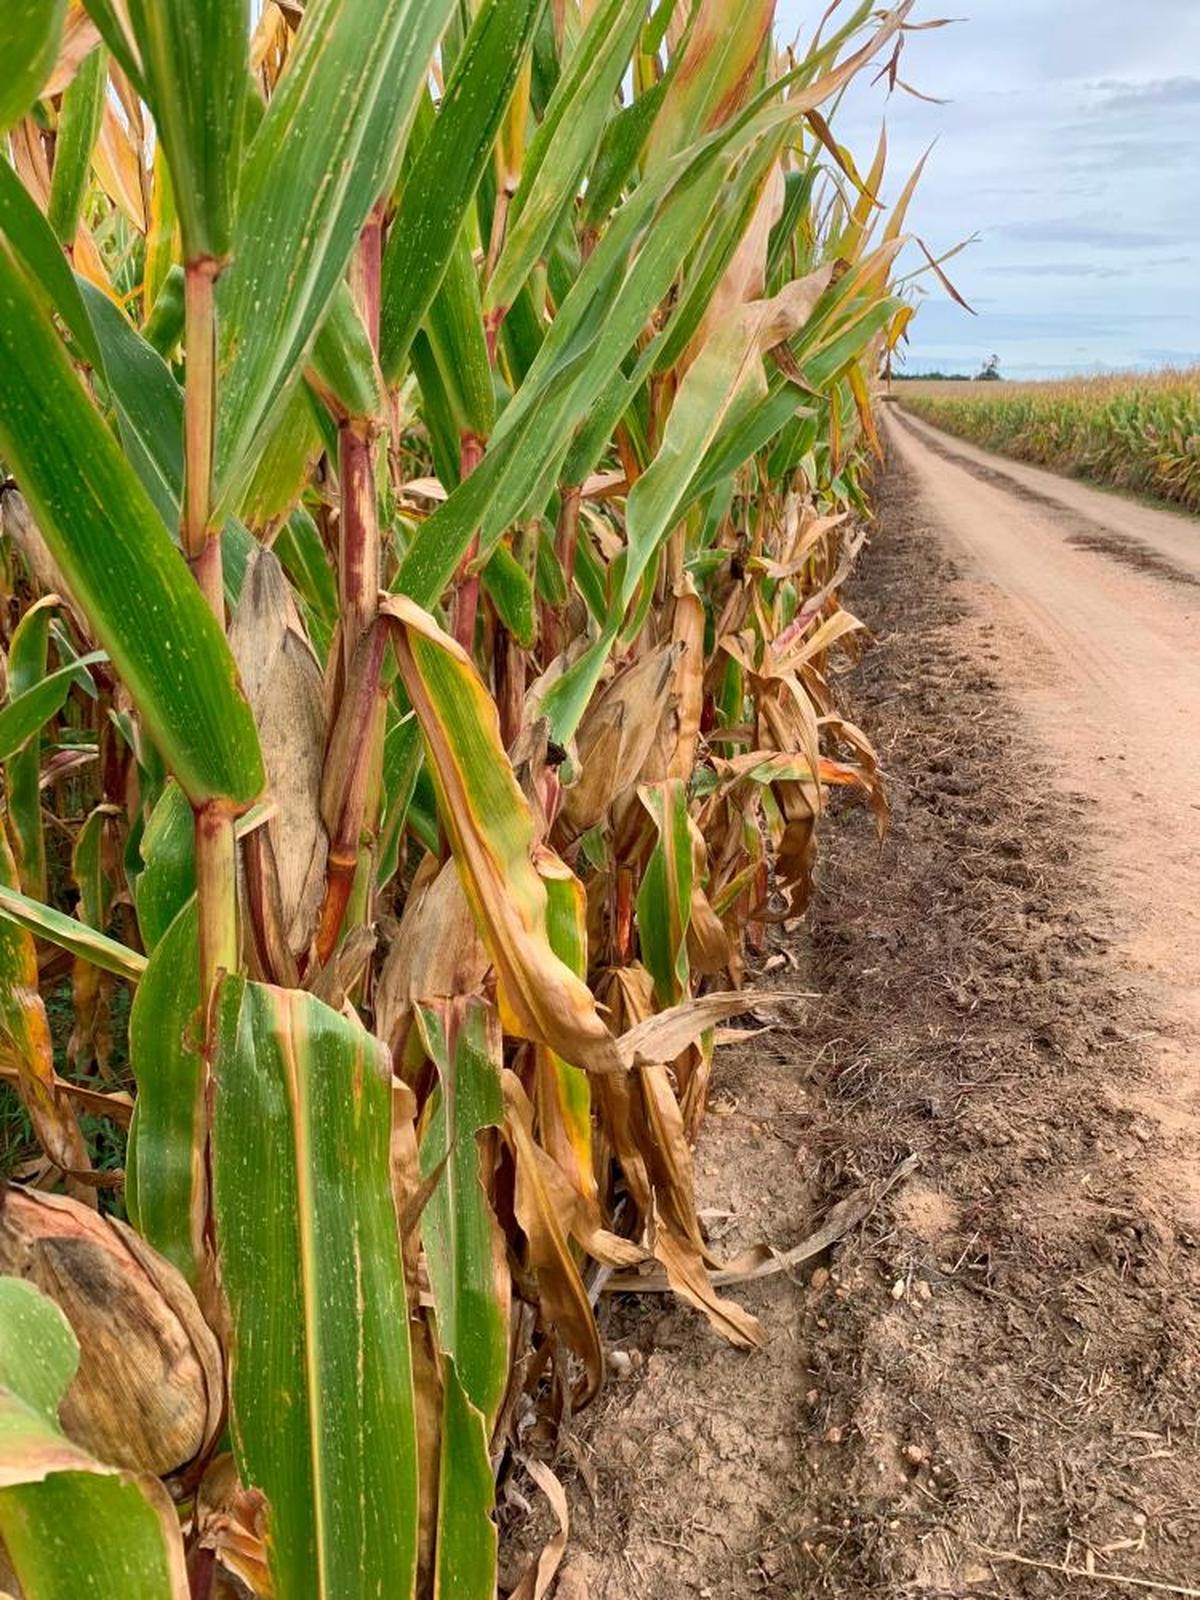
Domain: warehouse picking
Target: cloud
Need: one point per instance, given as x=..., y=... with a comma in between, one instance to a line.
x=1070, y=148
x=1095, y=235
x=1052, y=269
x=1157, y=93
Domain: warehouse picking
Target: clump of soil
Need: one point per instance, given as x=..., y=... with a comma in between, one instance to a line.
x=990, y=1389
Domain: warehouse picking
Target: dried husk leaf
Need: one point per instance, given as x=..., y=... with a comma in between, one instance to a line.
x=232, y=1522
x=435, y=955
x=282, y=680
x=564, y=1302
x=79, y=38
x=149, y=1394
x=673, y=754
x=617, y=734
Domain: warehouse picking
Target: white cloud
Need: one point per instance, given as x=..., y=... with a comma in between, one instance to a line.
x=1070, y=146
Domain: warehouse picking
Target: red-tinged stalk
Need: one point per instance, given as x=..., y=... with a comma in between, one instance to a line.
x=566, y=540
x=466, y=594
x=201, y=543
x=351, y=771
x=358, y=545
x=366, y=275
x=216, y=878
x=216, y=891
x=623, y=920
x=510, y=684
x=353, y=775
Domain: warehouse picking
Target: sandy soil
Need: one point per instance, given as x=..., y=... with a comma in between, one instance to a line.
x=990, y=1388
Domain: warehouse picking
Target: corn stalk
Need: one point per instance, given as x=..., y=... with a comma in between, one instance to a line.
x=427, y=512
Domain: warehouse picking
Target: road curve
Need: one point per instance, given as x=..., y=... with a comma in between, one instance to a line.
x=1089, y=606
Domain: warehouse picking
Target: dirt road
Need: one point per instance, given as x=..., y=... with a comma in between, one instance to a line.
x=1097, y=602
x=990, y=1390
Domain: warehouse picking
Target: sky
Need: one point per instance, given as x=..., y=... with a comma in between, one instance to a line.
x=1070, y=144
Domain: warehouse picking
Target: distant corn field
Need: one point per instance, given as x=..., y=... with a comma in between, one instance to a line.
x=1132, y=431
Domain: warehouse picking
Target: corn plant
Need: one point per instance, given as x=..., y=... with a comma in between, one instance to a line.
x=431, y=431
x=1134, y=431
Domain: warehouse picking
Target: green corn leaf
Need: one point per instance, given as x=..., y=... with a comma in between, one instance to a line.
x=78, y=128
x=163, y=328
x=149, y=408
x=40, y=252
x=87, y=868
x=620, y=146
x=172, y=1127
x=344, y=361
x=725, y=382
x=323, y=1411
x=73, y=1528
x=454, y=328
x=282, y=470
x=467, y=1268
x=510, y=589
x=665, y=897
x=445, y=173
x=597, y=325
x=118, y=559
x=565, y=143
x=321, y=158
x=39, y=1356
x=29, y=712
x=109, y=17
x=30, y=31
x=167, y=880
x=70, y=934
x=466, y=1534
x=437, y=410
x=147, y=400
x=468, y=1273
x=305, y=560
x=568, y=696
x=401, y=769
x=195, y=57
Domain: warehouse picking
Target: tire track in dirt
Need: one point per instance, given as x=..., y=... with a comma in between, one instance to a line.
x=1006, y=1357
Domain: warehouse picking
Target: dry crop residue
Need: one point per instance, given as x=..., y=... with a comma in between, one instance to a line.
x=1004, y=1361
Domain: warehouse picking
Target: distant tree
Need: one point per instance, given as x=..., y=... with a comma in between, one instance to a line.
x=990, y=370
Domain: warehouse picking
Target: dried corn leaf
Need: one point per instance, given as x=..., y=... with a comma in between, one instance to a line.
x=282, y=681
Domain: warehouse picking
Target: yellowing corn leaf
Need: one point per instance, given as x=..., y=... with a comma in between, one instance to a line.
x=563, y=1093
x=490, y=828
x=722, y=60
x=25, y=1038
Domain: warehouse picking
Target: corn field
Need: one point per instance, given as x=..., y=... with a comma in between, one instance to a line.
x=1137, y=432
x=431, y=435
